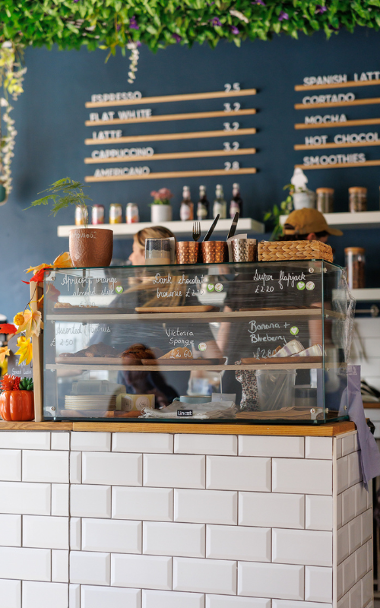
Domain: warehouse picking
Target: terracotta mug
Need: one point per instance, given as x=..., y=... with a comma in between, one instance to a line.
x=91, y=247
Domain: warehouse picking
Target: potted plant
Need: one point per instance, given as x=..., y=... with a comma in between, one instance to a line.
x=89, y=247
x=160, y=209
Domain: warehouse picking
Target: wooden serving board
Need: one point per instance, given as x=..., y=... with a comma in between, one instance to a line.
x=277, y=360
x=184, y=309
x=183, y=362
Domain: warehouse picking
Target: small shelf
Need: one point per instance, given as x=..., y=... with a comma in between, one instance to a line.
x=181, y=368
x=366, y=295
x=349, y=221
x=207, y=317
x=124, y=231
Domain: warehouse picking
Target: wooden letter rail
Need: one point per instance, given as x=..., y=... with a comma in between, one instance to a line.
x=172, y=156
x=170, y=174
x=170, y=136
x=170, y=98
x=169, y=117
x=336, y=85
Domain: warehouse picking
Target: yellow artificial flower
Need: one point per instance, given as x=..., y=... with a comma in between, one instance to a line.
x=31, y=324
x=18, y=319
x=4, y=352
x=25, y=350
x=36, y=269
x=63, y=261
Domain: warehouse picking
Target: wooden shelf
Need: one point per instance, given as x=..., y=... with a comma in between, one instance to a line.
x=366, y=295
x=208, y=317
x=182, y=368
x=367, y=163
x=349, y=221
x=246, y=224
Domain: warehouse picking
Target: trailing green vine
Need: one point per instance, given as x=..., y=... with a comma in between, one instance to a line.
x=126, y=24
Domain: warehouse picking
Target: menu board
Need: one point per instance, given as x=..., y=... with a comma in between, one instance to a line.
x=326, y=103
x=119, y=156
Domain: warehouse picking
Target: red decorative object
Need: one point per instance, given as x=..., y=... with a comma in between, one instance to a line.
x=8, y=328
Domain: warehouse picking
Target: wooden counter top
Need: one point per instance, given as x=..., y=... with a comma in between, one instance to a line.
x=331, y=429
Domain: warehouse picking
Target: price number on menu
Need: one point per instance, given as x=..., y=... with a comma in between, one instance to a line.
x=231, y=146
x=231, y=166
x=232, y=87
x=234, y=107
x=228, y=126
x=66, y=342
x=264, y=289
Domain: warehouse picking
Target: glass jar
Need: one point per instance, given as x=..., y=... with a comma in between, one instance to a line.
x=358, y=199
x=355, y=263
x=325, y=200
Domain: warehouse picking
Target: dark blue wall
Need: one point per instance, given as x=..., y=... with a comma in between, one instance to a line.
x=50, y=119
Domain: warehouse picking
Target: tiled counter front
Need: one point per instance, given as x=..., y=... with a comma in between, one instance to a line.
x=145, y=520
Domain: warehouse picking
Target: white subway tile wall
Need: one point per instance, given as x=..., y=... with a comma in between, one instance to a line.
x=150, y=520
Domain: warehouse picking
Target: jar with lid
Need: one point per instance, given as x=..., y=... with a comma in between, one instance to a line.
x=355, y=263
x=325, y=200
x=358, y=199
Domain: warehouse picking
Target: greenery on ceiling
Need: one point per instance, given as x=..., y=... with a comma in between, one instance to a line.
x=109, y=24
x=159, y=23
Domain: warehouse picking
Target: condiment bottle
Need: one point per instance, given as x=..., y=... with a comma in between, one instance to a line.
x=186, y=211
x=325, y=200
x=355, y=263
x=236, y=204
x=358, y=199
x=203, y=204
x=220, y=205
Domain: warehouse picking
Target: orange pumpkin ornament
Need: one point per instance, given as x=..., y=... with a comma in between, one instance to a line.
x=15, y=402
x=17, y=405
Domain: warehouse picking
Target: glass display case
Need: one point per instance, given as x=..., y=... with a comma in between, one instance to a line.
x=236, y=342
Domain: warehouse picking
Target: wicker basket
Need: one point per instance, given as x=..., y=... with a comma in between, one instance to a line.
x=275, y=251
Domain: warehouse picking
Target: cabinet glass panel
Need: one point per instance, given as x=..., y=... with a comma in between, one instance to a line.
x=249, y=342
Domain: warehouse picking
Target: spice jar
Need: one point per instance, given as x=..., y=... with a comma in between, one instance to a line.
x=325, y=200
x=358, y=199
x=355, y=262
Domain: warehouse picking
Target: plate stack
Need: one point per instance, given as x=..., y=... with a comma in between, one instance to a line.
x=90, y=402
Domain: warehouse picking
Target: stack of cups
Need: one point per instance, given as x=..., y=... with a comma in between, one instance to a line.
x=244, y=250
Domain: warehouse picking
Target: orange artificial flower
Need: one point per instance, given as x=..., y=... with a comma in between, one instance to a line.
x=4, y=352
x=31, y=324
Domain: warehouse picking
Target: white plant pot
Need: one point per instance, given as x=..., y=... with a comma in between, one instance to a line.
x=160, y=213
x=304, y=199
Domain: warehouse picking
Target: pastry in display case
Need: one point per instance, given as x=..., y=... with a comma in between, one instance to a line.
x=259, y=342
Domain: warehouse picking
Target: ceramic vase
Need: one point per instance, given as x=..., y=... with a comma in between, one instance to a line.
x=91, y=247
x=160, y=213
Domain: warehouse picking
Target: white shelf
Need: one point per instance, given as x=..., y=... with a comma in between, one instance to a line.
x=120, y=231
x=366, y=295
x=349, y=221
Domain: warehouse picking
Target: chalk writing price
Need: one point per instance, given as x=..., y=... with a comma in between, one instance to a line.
x=231, y=146
x=235, y=107
x=231, y=127
x=232, y=87
x=231, y=166
x=262, y=289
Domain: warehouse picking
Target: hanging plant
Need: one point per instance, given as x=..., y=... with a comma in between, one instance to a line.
x=11, y=79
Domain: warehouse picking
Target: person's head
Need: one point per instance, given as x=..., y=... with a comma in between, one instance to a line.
x=307, y=224
x=137, y=256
